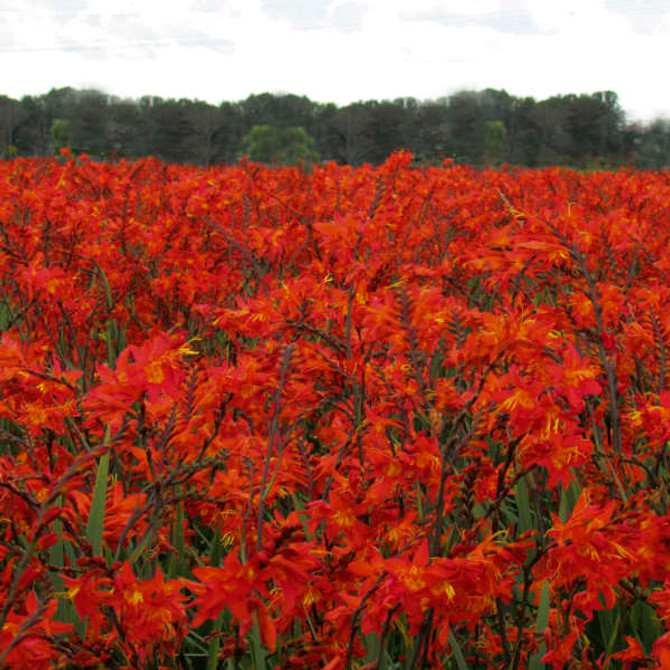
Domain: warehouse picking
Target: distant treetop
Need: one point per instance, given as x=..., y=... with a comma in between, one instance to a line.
x=489, y=127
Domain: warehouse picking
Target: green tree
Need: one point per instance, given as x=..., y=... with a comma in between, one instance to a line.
x=123, y=129
x=495, y=142
x=60, y=134
x=551, y=116
x=389, y=129
x=571, y=129
x=10, y=112
x=524, y=135
x=653, y=145
x=90, y=119
x=465, y=122
x=32, y=136
x=596, y=124
x=173, y=136
x=205, y=120
x=279, y=146
x=229, y=133
x=430, y=132
x=352, y=125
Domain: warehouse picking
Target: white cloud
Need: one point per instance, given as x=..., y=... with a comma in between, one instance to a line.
x=456, y=7
x=226, y=49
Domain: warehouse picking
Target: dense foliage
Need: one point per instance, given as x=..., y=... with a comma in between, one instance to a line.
x=352, y=418
x=480, y=128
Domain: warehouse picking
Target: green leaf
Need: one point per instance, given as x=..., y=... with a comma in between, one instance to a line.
x=458, y=652
x=257, y=653
x=610, y=621
x=541, y=623
x=371, y=647
x=569, y=498
x=5, y=316
x=523, y=506
x=436, y=363
x=178, y=565
x=215, y=646
x=646, y=625
x=109, y=302
x=66, y=612
x=96, y=517
x=57, y=552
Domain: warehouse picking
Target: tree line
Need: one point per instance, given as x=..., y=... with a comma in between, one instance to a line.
x=488, y=127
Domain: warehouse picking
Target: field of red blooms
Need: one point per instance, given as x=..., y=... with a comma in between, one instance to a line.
x=381, y=418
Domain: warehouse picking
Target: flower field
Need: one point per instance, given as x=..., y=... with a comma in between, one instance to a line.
x=373, y=418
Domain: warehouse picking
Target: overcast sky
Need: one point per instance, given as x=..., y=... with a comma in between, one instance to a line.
x=340, y=50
